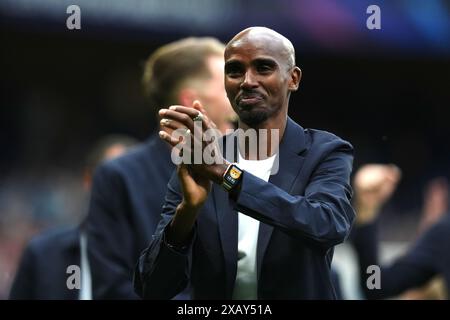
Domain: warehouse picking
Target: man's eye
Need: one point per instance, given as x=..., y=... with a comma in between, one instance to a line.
x=264, y=68
x=233, y=71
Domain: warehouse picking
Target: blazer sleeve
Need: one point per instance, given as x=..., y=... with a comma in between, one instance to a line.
x=163, y=272
x=111, y=250
x=322, y=216
x=413, y=269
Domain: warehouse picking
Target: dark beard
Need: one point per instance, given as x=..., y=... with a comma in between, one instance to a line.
x=253, y=119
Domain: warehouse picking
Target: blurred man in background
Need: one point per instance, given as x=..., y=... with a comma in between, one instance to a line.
x=128, y=193
x=42, y=273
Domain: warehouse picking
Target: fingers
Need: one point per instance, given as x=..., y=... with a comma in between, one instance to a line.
x=374, y=184
x=186, y=130
x=181, y=117
x=187, y=115
x=198, y=106
x=170, y=139
x=167, y=123
x=374, y=176
x=182, y=141
x=393, y=173
x=208, y=123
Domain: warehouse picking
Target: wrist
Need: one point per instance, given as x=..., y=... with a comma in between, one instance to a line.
x=181, y=225
x=186, y=208
x=365, y=214
x=219, y=172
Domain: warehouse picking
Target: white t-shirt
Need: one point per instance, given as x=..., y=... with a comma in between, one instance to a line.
x=246, y=286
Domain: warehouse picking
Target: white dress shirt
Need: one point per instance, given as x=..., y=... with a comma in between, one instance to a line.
x=246, y=286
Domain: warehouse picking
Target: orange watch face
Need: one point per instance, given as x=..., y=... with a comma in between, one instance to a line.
x=235, y=173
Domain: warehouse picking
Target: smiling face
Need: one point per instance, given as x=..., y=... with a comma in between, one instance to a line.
x=260, y=73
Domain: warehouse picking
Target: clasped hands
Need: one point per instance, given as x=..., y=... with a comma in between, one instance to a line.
x=192, y=136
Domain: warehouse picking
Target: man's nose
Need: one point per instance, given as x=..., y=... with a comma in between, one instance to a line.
x=249, y=81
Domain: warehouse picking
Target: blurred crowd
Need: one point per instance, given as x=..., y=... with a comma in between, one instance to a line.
x=30, y=205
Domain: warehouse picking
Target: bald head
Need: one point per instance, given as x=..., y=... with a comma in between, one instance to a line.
x=264, y=37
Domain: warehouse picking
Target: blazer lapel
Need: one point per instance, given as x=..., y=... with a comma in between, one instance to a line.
x=290, y=162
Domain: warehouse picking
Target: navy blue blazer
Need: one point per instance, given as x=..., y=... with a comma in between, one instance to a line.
x=126, y=200
x=42, y=271
x=304, y=211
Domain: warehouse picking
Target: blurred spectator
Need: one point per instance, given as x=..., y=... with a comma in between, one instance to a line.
x=428, y=257
x=434, y=207
x=435, y=203
x=42, y=270
x=128, y=193
x=373, y=185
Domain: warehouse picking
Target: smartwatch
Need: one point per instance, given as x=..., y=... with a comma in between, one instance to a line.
x=232, y=177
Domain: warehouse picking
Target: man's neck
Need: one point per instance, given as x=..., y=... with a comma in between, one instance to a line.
x=275, y=123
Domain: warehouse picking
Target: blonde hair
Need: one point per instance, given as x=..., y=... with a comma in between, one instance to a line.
x=173, y=65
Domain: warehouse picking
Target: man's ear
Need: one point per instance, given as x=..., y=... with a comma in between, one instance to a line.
x=186, y=97
x=294, y=81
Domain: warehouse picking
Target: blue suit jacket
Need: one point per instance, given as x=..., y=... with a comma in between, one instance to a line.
x=304, y=209
x=42, y=270
x=127, y=196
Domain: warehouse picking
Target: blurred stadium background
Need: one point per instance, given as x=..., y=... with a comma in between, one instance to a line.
x=387, y=91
